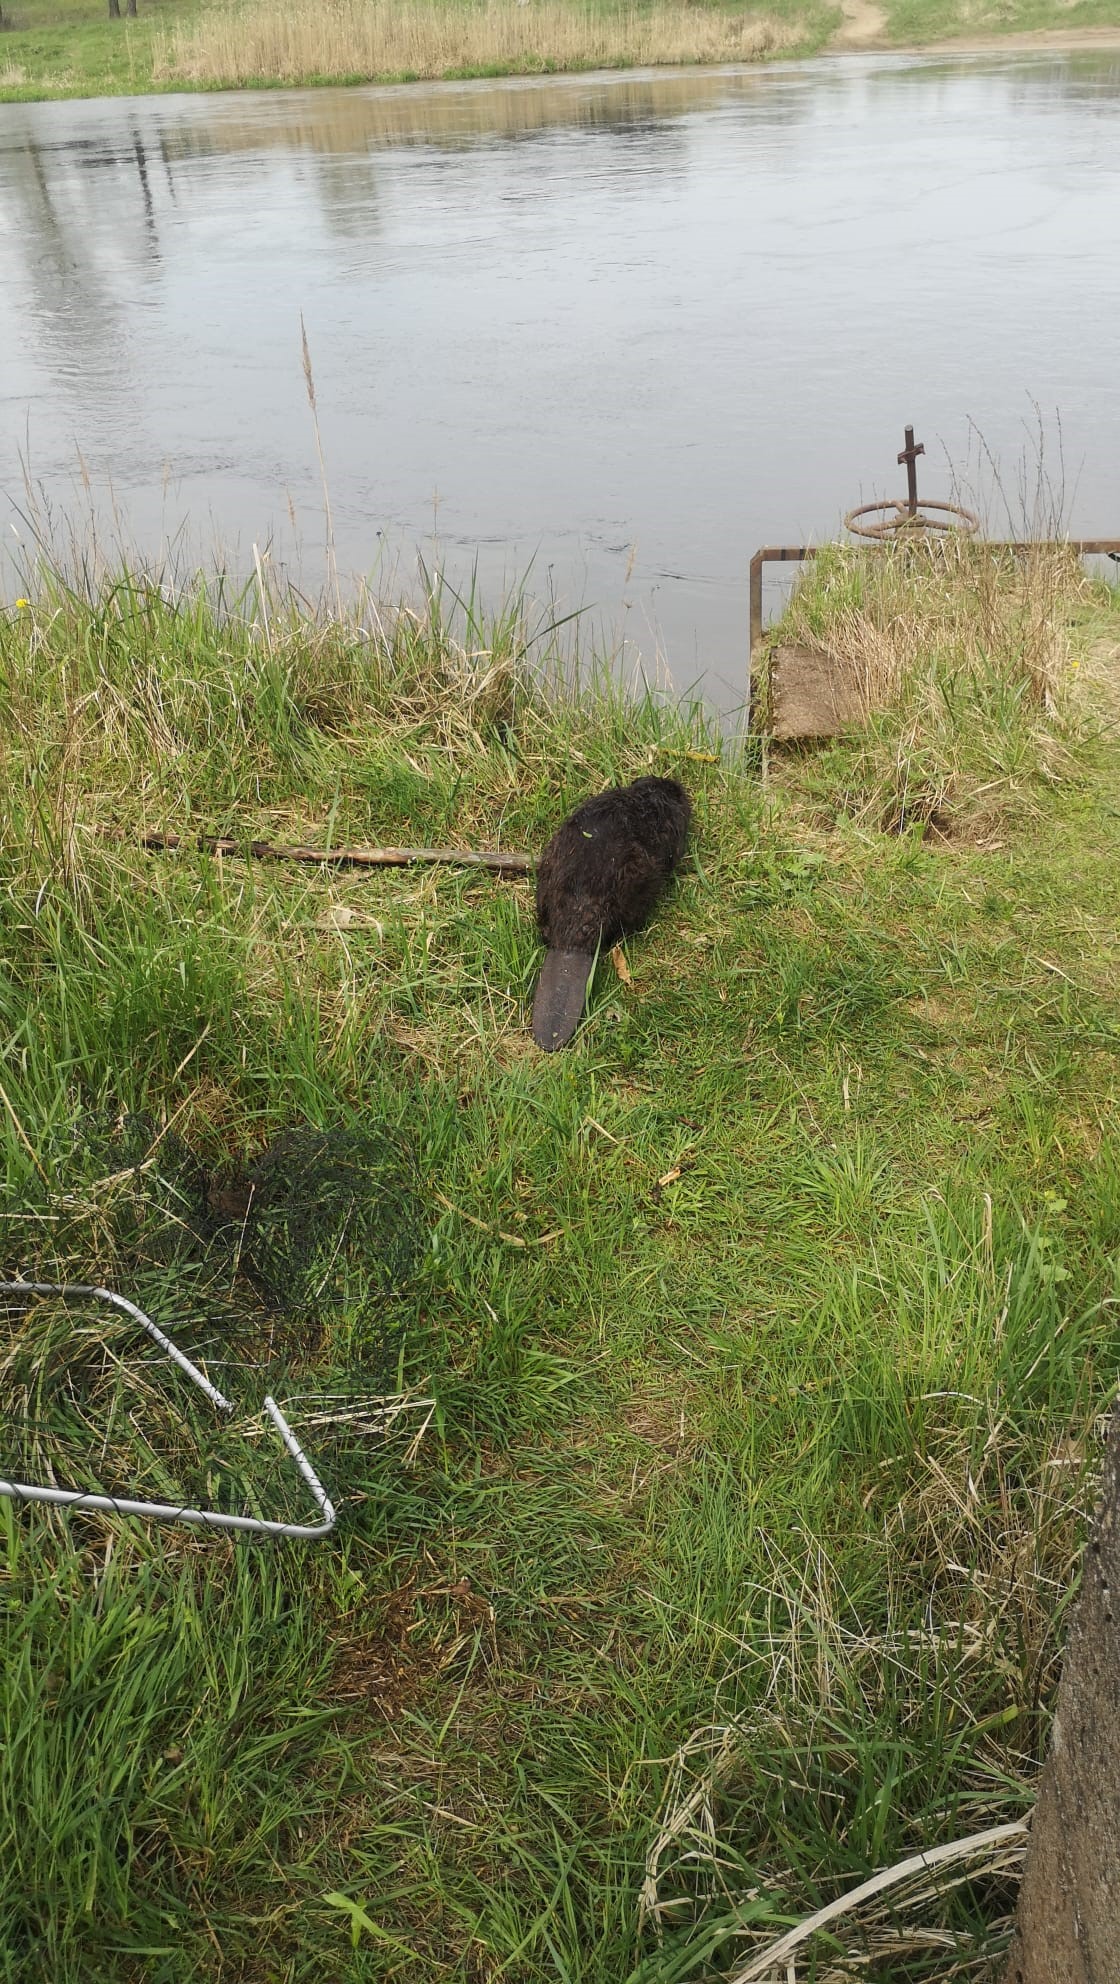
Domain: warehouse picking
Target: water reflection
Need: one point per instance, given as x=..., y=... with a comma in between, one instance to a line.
x=620, y=328
x=76, y=295
x=453, y=117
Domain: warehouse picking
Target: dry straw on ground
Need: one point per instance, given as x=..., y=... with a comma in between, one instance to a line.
x=961, y=656
x=418, y=38
x=898, y=1911
x=1020, y=1552
x=899, y=614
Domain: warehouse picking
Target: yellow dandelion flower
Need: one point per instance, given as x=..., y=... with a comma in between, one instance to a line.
x=22, y=605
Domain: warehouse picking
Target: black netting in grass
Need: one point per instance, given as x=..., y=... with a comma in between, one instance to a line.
x=294, y=1274
x=322, y=1220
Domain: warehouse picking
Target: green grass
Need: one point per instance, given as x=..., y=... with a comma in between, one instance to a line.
x=67, y=48
x=767, y=1327
x=946, y=20
x=70, y=48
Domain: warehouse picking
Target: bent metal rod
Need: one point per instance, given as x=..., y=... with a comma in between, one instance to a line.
x=74, y=1498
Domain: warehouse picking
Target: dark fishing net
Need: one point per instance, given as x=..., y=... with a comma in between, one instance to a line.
x=293, y=1274
x=323, y=1220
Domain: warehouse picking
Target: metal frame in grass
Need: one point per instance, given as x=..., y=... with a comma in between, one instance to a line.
x=74, y=1498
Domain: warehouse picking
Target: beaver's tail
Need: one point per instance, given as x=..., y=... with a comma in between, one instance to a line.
x=561, y=995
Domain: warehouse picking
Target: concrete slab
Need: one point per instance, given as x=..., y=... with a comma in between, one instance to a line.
x=812, y=694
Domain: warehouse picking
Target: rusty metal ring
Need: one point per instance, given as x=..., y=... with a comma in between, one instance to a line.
x=899, y=520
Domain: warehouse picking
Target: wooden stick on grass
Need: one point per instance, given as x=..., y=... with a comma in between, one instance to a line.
x=350, y=857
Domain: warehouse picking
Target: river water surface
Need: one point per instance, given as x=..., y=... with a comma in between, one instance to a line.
x=613, y=331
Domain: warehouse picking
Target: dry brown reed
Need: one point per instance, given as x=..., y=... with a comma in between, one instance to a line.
x=351, y=39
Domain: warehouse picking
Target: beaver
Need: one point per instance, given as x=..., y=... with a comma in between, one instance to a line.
x=597, y=880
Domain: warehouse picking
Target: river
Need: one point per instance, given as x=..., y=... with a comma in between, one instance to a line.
x=602, y=334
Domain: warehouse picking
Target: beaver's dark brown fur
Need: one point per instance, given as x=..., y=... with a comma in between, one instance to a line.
x=597, y=880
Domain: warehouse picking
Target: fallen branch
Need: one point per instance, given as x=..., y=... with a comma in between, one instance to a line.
x=349, y=857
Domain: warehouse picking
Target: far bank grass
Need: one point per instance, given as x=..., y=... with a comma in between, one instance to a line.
x=768, y=1327
x=64, y=48
x=432, y=39
x=71, y=48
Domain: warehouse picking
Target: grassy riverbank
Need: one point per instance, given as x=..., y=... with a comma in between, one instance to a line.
x=767, y=1328
x=70, y=48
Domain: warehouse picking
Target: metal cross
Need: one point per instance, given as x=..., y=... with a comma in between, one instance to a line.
x=910, y=455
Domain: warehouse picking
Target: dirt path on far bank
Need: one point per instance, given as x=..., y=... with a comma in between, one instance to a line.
x=1061, y=40
x=864, y=27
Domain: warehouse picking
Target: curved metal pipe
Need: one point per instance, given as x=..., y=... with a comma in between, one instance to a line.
x=75, y=1498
